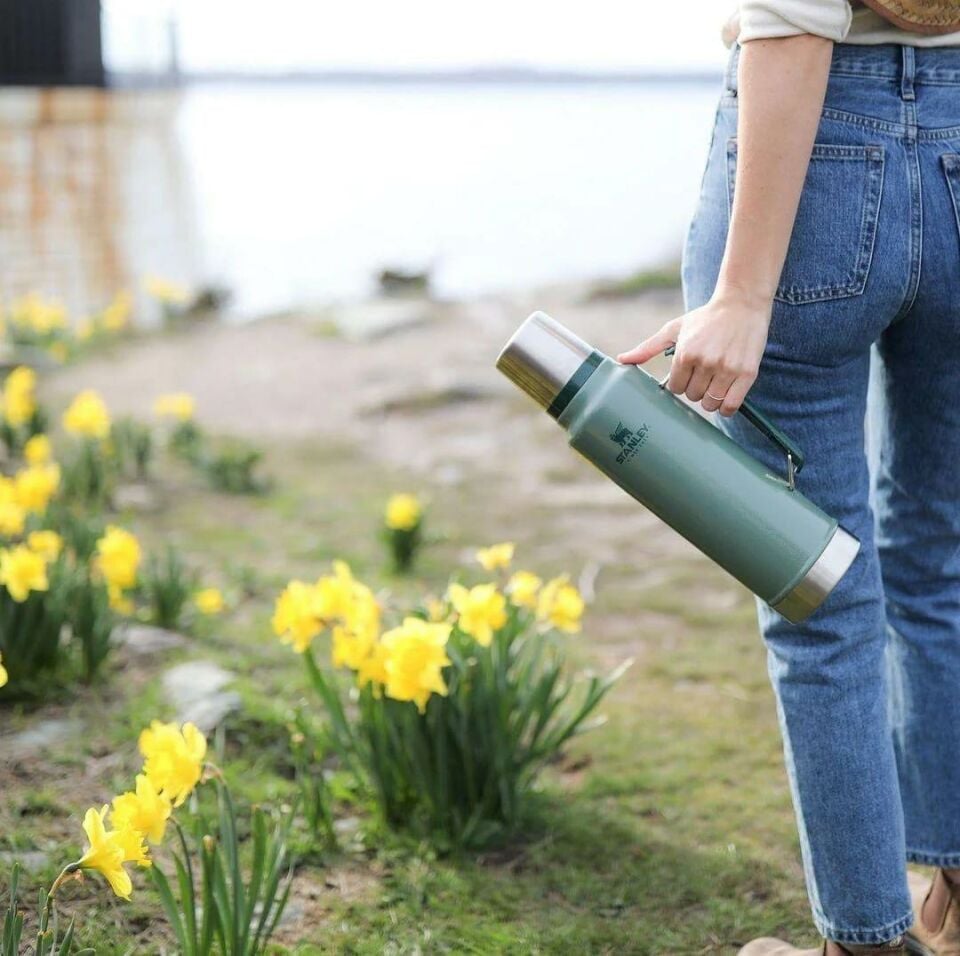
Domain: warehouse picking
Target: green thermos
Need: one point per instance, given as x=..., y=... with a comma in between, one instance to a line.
x=753, y=523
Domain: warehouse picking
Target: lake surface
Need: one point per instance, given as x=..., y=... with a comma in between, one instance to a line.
x=295, y=195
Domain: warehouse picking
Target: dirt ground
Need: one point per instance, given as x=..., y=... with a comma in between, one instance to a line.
x=653, y=845
x=426, y=397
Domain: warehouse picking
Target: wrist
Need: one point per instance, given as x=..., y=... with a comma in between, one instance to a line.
x=744, y=295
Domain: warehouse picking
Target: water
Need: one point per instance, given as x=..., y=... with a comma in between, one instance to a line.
x=298, y=194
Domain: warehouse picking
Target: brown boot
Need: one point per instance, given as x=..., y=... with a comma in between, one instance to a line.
x=777, y=947
x=936, y=908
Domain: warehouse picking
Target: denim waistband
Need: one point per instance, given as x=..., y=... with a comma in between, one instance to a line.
x=908, y=66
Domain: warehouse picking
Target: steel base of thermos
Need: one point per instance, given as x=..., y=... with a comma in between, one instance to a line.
x=806, y=596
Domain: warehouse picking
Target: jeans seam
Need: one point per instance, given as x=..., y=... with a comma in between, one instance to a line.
x=889, y=126
x=860, y=934
x=845, y=116
x=915, y=193
x=951, y=170
x=929, y=858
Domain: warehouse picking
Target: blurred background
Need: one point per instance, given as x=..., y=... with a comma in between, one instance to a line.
x=291, y=152
x=263, y=257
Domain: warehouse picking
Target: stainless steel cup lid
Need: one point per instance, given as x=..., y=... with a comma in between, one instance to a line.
x=542, y=357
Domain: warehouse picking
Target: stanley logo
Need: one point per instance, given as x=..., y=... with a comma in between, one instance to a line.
x=629, y=440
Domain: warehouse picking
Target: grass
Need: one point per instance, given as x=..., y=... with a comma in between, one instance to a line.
x=667, y=831
x=643, y=280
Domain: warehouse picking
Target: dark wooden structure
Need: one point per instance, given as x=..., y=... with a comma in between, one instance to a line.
x=50, y=43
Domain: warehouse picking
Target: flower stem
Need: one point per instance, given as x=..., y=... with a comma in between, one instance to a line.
x=65, y=874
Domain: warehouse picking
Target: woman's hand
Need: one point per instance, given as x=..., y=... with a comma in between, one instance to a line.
x=718, y=350
x=781, y=87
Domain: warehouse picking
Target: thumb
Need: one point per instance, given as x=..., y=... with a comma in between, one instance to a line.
x=653, y=345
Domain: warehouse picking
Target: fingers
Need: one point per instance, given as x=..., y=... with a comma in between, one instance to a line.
x=727, y=389
x=736, y=394
x=716, y=391
x=698, y=384
x=652, y=346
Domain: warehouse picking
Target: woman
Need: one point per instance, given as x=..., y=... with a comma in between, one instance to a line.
x=829, y=222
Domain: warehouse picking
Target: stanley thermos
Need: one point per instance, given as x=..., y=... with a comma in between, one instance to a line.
x=685, y=470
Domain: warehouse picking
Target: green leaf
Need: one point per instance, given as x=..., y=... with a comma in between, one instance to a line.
x=170, y=907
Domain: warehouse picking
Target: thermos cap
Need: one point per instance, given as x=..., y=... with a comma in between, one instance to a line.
x=542, y=357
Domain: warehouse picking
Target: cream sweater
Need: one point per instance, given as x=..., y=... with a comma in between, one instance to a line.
x=834, y=19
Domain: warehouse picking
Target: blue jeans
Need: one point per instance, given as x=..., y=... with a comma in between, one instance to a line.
x=868, y=688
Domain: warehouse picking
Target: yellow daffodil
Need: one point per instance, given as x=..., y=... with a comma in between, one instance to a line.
x=403, y=512
x=87, y=416
x=437, y=611
x=48, y=544
x=22, y=571
x=3, y=673
x=133, y=846
x=19, y=402
x=496, y=556
x=373, y=668
x=560, y=605
x=118, y=557
x=415, y=655
x=350, y=601
x=178, y=405
x=41, y=315
x=35, y=485
x=119, y=601
x=303, y=610
x=209, y=601
x=12, y=514
x=106, y=853
x=38, y=450
x=173, y=758
x=145, y=810
x=165, y=291
x=480, y=610
x=522, y=588
x=116, y=316
x=297, y=615
x=350, y=649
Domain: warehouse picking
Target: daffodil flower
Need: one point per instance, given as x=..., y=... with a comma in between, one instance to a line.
x=496, y=556
x=106, y=853
x=145, y=810
x=87, y=416
x=560, y=605
x=481, y=610
x=522, y=588
x=403, y=512
x=414, y=657
x=173, y=758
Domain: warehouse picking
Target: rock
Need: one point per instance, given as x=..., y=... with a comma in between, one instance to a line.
x=32, y=861
x=427, y=398
x=41, y=736
x=293, y=913
x=145, y=639
x=346, y=825
x=377, y=318
x=136, y=496
x=196, y=691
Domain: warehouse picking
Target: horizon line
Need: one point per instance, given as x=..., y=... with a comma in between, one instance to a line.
x=509, y=75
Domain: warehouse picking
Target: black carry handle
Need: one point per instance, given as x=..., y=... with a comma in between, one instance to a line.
x=795, y=457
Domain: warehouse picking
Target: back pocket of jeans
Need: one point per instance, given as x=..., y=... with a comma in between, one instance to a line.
x=831, y=245
x=951, y=167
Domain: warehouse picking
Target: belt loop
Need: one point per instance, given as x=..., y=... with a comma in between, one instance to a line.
x=730, y=77
x=908, y=73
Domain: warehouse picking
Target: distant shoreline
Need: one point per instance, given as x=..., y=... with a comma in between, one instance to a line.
x=476, y=77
